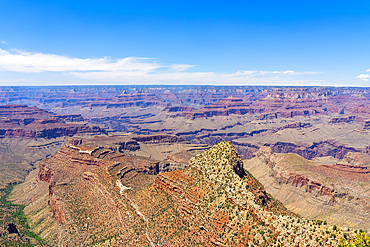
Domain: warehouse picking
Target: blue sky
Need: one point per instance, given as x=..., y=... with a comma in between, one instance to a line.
x=185, y=42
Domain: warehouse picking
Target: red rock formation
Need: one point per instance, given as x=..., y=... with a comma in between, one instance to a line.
x=49, y=128
x=6, y=123
x=284, y=176
x=57, y=210
x=75, y=141
x=20, y=112
x=45, y=173
x=32, y=122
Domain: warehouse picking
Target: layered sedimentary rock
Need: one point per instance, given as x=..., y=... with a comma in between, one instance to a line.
x=49, y=128
x=82, y=167
x=20, y=112
x=70, y=118
x=224, y=107
x=342, y=119
x=332, y=192
x=303, y=120
x=179, y=108
x=32, y=122
x=211, y=202
x=143, y=98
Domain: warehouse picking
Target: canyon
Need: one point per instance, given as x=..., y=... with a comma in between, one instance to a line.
x=126, y=152
x=83, y=195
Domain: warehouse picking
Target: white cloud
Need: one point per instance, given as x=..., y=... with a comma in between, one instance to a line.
x=3, y=42
x=364, y=77
x=284, y=72
x=39, y=62
x=139, y=70
x=368, y=70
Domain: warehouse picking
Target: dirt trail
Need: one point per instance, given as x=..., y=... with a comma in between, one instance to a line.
x=136, y=209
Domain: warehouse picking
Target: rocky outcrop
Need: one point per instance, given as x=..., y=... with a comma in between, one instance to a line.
x=70, y=118
x=179, y=108
x=45, y=173
x=75, y=141
x=319, y=149
x=159, y=138
x=348, y=119
x=133, y=166
x=355, y=158
x=57, y=210
x=366, y=125
x=305, y=183
x=197, y=199
x=296, y=125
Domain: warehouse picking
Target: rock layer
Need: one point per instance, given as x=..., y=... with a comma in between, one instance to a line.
x=332, y=192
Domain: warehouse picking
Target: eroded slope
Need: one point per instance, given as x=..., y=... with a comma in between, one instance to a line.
x=335, y=192
x=91, y=200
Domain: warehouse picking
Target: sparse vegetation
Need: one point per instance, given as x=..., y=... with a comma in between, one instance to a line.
x=13, y=214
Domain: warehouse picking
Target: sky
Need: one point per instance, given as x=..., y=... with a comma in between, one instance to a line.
x=275, y=43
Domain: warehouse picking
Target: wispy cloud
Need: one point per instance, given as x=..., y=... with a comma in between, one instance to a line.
x=38, y=62
x=3, y=42
x=140, y=70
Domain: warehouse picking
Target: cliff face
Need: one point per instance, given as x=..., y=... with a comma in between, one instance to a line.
x=99, y=197
x=224, y=107
x=307, y=151
x=138, y=99
x=20, y=113
x=32, y=122
x=82, y=178
x=332, y=192
x=39, y=129
x=342, y=119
